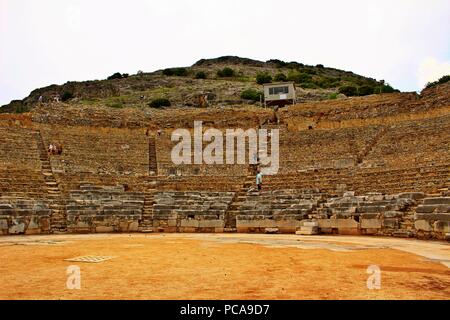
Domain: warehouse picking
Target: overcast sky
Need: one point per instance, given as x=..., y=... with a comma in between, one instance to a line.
x=43, y=42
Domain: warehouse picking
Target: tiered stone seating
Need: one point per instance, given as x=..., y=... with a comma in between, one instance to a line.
x=372, y=213
x=432, y=218
x=362, y=180
x=323, y=149
x=20, y=166
x=166, y=166
x=190, y=211
x=413, y=143
x=99, y=150
x=280, y=209
x=103, y=209
x=201, y=183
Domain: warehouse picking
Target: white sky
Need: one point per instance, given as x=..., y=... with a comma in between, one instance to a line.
x=43, y=42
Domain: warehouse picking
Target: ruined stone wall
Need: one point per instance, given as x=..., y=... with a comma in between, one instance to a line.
x=24, y=216
x=190, y=211
x=103, y=209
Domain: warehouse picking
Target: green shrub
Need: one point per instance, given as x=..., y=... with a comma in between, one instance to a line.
x=308, y=85
x=116, y=75
x=442, y=80
x=225, y=72
x=320, y=66
x=251, y=94
x=349, y=91
x=262, y=78
x=280, y=77
x=161, y=102
x=168, y=72
x=180, y=72
x=116, y=105
x=66, y=96
x=387, y=89
x=200, y=75
x=326, y=82
x=309, y=71
x=365, y=90
x=299, y=77
x=333, y=96
x=277, y=63
x=16, y=106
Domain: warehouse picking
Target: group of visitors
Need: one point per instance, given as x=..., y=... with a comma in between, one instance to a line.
x=55, y=149
x=158, y=132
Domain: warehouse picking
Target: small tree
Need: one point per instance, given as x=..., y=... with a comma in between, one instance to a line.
x=262, y=78
x=116, y=75
x=168, y=72
x=365, y=90
x=225, y=72
x=180, y=72
x=200, y=75
x=66, y=96
x=159, y=103
x=280, y=77
x=251, y=94
x=349, y=91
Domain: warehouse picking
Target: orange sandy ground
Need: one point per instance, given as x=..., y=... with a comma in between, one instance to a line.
x=154, y=267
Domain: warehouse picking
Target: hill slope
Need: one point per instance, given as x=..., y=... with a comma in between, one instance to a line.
x=184, y=86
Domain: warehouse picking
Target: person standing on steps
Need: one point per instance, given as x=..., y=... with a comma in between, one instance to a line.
x=259, y=181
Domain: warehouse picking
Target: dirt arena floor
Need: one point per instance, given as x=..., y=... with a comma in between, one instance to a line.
x=223, y=266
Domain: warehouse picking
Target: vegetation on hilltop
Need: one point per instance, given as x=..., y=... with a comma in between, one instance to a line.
x=442, y=80
x=230, y=80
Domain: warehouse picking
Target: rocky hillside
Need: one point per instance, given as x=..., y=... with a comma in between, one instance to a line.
x=217, y=82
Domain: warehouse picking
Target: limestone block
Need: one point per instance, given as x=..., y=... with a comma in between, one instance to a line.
x=194, y=223
x=271, y=230
x=432, y=216
x=17, y=227
x=310, y=223
x=347, y=224
x=3, y=224
x=211, y=223
x=247, y=224
x=370, y=224
x=442, y=226
x=442, y=200
x=422, y=225
x=104, y=229
x=133, y=227
x=391, y=223
x=412, y=195
x=326, y=223
x=34, y=223
x=307, y=231
x=392, y=214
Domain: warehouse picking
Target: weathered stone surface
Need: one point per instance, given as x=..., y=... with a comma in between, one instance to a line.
x=432, y=216
x=442, y=226
x=17, y=227
x=307, y=230
x=371, y=224
x=439, y=200
x=423, y=225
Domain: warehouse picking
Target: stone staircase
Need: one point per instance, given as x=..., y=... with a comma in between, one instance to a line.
x=152, y=159
x=57, y=206
x=239, y=197
x=368, y=148
x=146, y=223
